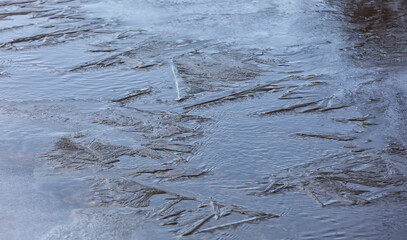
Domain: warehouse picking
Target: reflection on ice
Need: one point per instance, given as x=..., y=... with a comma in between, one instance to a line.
x=203, y=119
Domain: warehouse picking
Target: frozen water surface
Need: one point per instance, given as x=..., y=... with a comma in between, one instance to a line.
x=203, y=119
